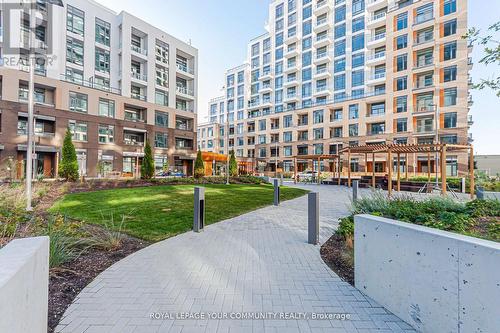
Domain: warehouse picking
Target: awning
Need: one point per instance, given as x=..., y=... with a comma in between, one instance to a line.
x=37, y=116
x=41, y=149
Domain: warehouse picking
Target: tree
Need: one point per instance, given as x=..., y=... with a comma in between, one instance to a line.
x=491, y=54
x=199, y=166
x=233, y=165
x=148, y=164
x=68, y=169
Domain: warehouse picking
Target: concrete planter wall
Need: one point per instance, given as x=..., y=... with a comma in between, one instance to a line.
x=482, y=194
x=434, y=280
x=24, y=281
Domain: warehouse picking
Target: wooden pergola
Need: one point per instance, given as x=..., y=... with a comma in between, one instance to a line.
x=405, y=149
x=319, y=158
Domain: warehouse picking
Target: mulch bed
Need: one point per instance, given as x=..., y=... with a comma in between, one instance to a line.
x=339, y=257
x=67, y=281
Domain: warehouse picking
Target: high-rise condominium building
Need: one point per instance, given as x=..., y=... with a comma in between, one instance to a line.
x=335, y=73
x=113, y=79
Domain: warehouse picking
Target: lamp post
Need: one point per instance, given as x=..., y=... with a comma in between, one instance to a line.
x=30, y=150
x=227, y=148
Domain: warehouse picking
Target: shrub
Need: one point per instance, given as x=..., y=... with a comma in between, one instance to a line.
x=483, y=208
x=148, y=164
x=68, y=168
x=65, y=240
x=233, y=165
x=110, y=237
x=346, y=227
x=199, y=166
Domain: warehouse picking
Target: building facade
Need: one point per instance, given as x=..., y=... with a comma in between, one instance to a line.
x=114, y=80
x=329, y=74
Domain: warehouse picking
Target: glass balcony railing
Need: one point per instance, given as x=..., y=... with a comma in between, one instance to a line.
x=185, y=91
x=139, y=50
x=184, y=68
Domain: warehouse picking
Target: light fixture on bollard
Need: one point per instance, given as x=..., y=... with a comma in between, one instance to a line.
x=313, y=218
x=276, y=192
x=199, y=209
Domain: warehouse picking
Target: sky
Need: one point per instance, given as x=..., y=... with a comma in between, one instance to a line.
x=221, y=29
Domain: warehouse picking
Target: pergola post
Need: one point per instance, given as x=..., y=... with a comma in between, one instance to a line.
x=389, y=180
x=406, y=166
x=373, y=171
x=319, y=170
x=429, y=166
x=399, y=172
x=339, y=167
x=348, y=168
x=366, y=163
x=471, y=172
x=295, y=173
x=443, y=169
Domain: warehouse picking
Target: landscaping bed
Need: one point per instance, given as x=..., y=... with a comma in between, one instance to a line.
x=478, y=218
x=96, y=232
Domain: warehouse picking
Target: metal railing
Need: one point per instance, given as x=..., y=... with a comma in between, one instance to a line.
x=89, y=84
x=185, y=90
x=184, y=68
x=139, y=50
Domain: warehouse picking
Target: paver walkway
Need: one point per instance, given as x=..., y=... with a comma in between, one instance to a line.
x=257, y=262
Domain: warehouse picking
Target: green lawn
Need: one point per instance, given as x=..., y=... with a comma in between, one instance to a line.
x=158, y=212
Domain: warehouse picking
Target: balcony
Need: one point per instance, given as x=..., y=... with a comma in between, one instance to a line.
x=291, y=53
x=139, y=50
x=291, y=39
x=470, y=121
x=376, y=78
x=291, y=68
x=470, y=63
x=376, y=58
x=139, y=76
x=322, y=73
x=377, y=40
x=138, y=96
x=321, y=40
x=373, y=5
x=424, y=17
x=470, y=101
x=185, y=92
x=470, y=139
x=322, y=57
x=422, y=108
x=265, y=89
x=376, y=20
x=290, y=82
x=321, y=91
x=424, y=38
x=291, y=97
x=323, y=24
x=424, y=63
x=322, y=7
x=425, y=129
x=132, y=138
x=266, y=75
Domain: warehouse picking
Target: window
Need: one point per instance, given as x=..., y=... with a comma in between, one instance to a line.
x=102, y=32
x=358, y=78
x=401, y=125
x=450, y=50
x=279, y=10
x=306, y=74
x=358, y=24
x=450, y=6
x=358, y=6
x=339, y=65
x=306, y=43
x=449, y=139
x=450, y=120
x=306, y=59
x=450, y=74
x=75, y=21
x=161, y=119
x=161, y=140
x=106, y=134
x=424, y=13
x=353, y=130
x=339, y=82
x=339, y=31
x=401, y=42
x=318, y=148
x=318, y=116
x=101, y=60
x=106, y=108
x=318, y=133
x=287, y=136
x=340, y=13
x=401, y=83
x=337, y=115
x=377, y=109
x=339, y=48
x=241, y=77
x=161, y=52
x=402, y=21
x=161, y=98
x=377, y=128
x=358, y=60
x=450, y=28
x=78, y=129
x=402, y=62
x=306, y=28
x=78, y=102
x=401, y=104
x=262, y=125
x=74, y=51
x=450, y=97
x=358, y=42
x=306, y=12
x=353, y=111
x=337, y=132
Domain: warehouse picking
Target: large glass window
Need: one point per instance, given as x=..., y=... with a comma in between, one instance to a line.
x=450, y=97
x=358, y=24
x=106, y=134
x=74, y=51
x=340, y=14
x=102, y=60
x=450, y=28
x=78, y=129
x=102, y=32
x=354, y=111
x=161, y=119
x=339, y=48
x=401, y=42
x=450, y=50
x=358, y=42
x=78, y=102
x=450, y=6
x=402, y=21
x=339, y=31
x=402, y=62
x=106, y=108
x=358, y=60
x=358, y=78
x=75, y=20
x=401, y=104
x=161, y=140
x=450, y=120
x=450, y=74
